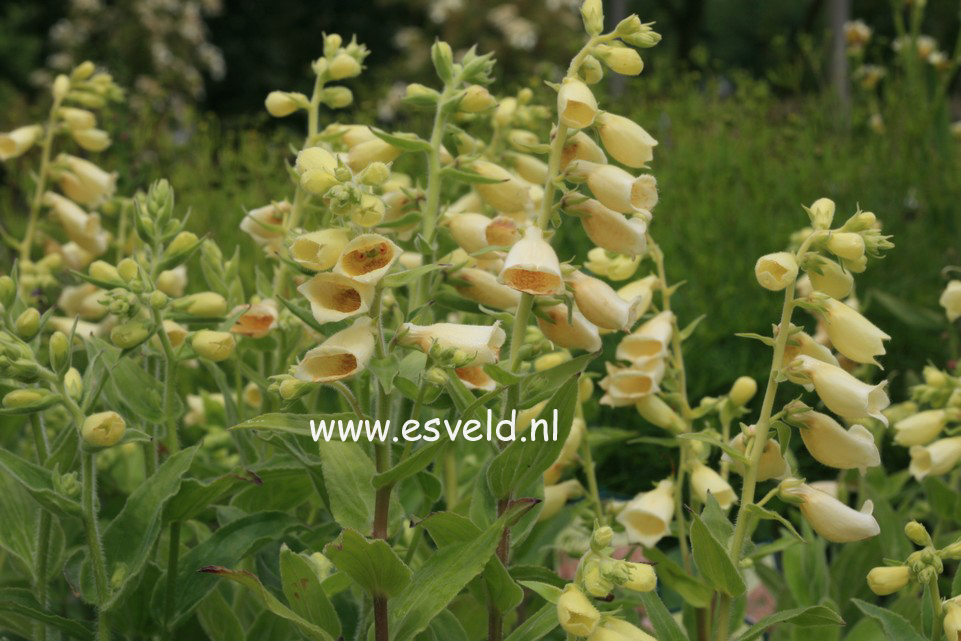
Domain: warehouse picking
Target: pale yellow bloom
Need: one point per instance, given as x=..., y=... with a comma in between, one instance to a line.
x=619, y=630
x=647, y=517
x=888, y=580
x=265, y=224
x=341, y=356
x=531, y=266
x=578, y=333
x=19, y=141
x=172, y=282
x=846, y=245
x=280, y=104
x=319, y=250
x=952, y=620
x=843, y=394
x=371, y=151
x=776, y=271
x=705, y=481
x=832, y=445
x=575, y=613
x=482, y=287
x=951, y=300
x=367, y=258
x=772, y=464
x=82, y=228
x=612, y=230
x=616, y=188
x=257, y=319
x=920, y=428
x=940, y=457
x=601, y=305
x=616, y=267
x=654, y=410
x=650, y=340
x=851, y=333
x=556, y=496
x=580, y=146
x=103, y=429
x=213, y=345
x=476, y=344
x=832, y=519
x=92, y=139
x=576, y=105
x=627, y=385
x=509, y=195
x=84, y=182
x=625, y=140
x=830, y=278
x=334, y=297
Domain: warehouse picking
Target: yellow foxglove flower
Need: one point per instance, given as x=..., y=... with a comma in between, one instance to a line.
x=334, y=297
x=367, y=258
x=625, y=140
x=265, y=224
x=556, y=496
x=647, y=517
x=641, y=577
x=316, y=167
x=530, y=168
x=469, y=231
x=601, y=305
x=72, y=300
x=482, y=287
x=203, y=305
x=654, y=410
x=371, y=151
x=176, y=333
x=502, y=231
x=92, y=139
x=627, y=385
x=577, y=333
x=642, y=288
x=172, y=282
x=952, y=620
x=888, y=580
x=832, y=445
x=343, y=66
x=531, y=266
x=851, y=333
x=616, y=188
x=341, y=356
x=802, y=344
x=920, y=428
x=935, y=459
x=648, y=341
x=575, y=613
x=474, y=377
x=612, y=230
x=951, y=300
x=822, y=213
x=704, y=481
x=576, y=105
x=618, y=630
x=832, y=519
x=623, y=60
x=776, y=271
x=742, y=391
x=82, y=228
x=830, y=278
x=772, y=464
x=74, y=256
x=103, y=429
x=843, y=394
x=85, y=182
x=480, y=344
x=613, y=267
x=216, y=346
x=511, y=194
x=476, y=99
x=319, y=250
x=15, y=143
x=280, y=104
x=846, y=245
x=580, y=146
x=257, y=319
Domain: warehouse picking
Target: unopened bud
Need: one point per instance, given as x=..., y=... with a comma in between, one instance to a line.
x=103, y=429
x=592, y=13
x=128, y=269
x=59, y=350
x=216, y=346
x=130, y=334
x=61, y=87
x=337, y=97
x=443, y=58
x=104, y=272
x=158, y=300
x=281, y=103
x=73, y=383
x=742, y=391
x=184, y=241
x=8, y=291
x=917, y=533
x=28, y=323
x=203, y=305
x=821, y=213
x=21, y=398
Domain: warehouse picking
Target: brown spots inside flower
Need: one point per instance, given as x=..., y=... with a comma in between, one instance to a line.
x=342, y=298
x=253, y=324
x=532, y=281
x=474, y=375
x=367, y=259
x=330, y=367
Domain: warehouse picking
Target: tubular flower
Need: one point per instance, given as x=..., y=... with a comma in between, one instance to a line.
x=556, y=496
x=265, y=224
x=951, y=300
x=830, y=278
x=480, y=344
x=334, y=297
x=371, y=151
x=776, y=271
x=888, y=580
x=257, y=320
x=469, y=231
x=576, y=614
x=654, y=410
x=616, y=188
x=843, y=394
x=829, y=517
x=580, y=146
x=84, y=182
x=474, y=377
x=619, y=630
x=82, y=228
x=612, y=230
x=103, y=429
x=832, y=445
x=367, y=258
x=650, y=340
x=576, y=105
x=511, y=194
x=319, y=250
x=19, y=141
x=625, y=140
x=772, y=464
x=627, y=385
x=935, y=459
x=576, y=333
x=532, y=267
x=601, y=305
x=341, y=356
x=705, y=480
x=482, y=287
x=647, y=517
x=920, y=428
x=851, y=333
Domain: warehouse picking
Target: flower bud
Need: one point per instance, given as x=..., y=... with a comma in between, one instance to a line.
x=556, y=496
x=176, y=333
x=419, y=94
x=19, y=141
x=371, y=151
x=591, y=70
x=212, y=345
x=920, y=428
x=92, y=139
x=592, y=13
x=576, y=105
x=105, y=272
x=8, y=291
x=705, y=481
x=182, y=242
x=601, y=305
x=130, y=334
x=654, y=410
x=575, y=613
x=828, y=277
x=337, y=97
x=776, y=271
x=509, y=195
x=846, y=245
x=940, y=457
x=28, y=323
x=622, y=60
x=952, y=620
x=443, y=58
x=59, y=349
x=172, y=282
x=476, y=99
x=281, y=103
x=73, y=383
x=203, y=305
x=771, y=465
x=641, y=577
x=23, y=398
x=343, y=66
x=917, y=533
x=742, y=391
x=888, y=580
x=821, y=213
x=103, y=429
x=951, y=300
x=61, y=87
x=619, y=630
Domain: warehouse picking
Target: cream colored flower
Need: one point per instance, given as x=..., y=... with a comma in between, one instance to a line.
x=334, y=297
x=776, y=271
x=576, y=105
x=935, y=459
x=482, y=287
x=627, y=385
x=618, y=630
x=772, y=464
x=647, y=517
x=851, y=333
x=601, y=305
x=610, y=229
x=257, y=319
x=478, y=344
x=319, y=250
x=280, y=104
x=830, y=278
x=19, y=141
x=575, y=613
x=613, y=267
x=650, y=340
x=556, y=496
x=531, y=266
x=951, y=300
x=576, y=333
x=952, y=620
x=103, y=429
x=846, y=245
x=474, y=377
x=530, y=168
x=920, y=428
x=265, y=224
x=469, y=231
x=367, y=258
x=705, y=480
x=888, y=580
x=172, y=282
x=654, y=410
x=616, y=188
x=832, y=519
x=580, y=146
x=625, y=140
x=801, y=343
x=92, y=139
x=371, y=151
x=82, y=228
x=832, y=445
x=176, y=333
x=341, y=356
x=84, y=182
x=843, y=394
x=509, y=195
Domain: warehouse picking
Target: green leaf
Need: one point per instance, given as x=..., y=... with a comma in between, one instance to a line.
x=540, y=385
x=665, y=627
x=18, y=526
x=218, y=620
x=895, y=626
x=546, y=591
x=537, y=626
x=372, y=564
x=910, y=314
x=273, y=604
x=421, y=458
x=129, y=537
x=38, y=481
x=282, y=423
x=194, y=495
x=815, y=615
x=524, y=461
x=468, y=176
x=403, y=141
x=230, y=544
x=673, y=576
x=408, y=276
x=763, y=513
x=713, y=561
x=444, y=575
x=447, y=627
x=20, y=602
x=304, y=592
x=303, y=314
x=348, y=477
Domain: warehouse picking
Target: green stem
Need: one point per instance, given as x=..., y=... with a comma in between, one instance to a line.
x=43, y=536
x=934, y=593
x=97, y=561
x=589, y=470
x=173, y=555
x=27, y=244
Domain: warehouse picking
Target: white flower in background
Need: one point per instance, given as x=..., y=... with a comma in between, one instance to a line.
x=951, y=300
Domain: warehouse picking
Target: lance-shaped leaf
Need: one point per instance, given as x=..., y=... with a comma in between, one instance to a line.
x=304, y=592
x=348, y=474
x=895, y=626
x=281, y=423
x=665, y=627
x=537, y=626
x=713, y=561
x=20, y=602
x=372, y=564
x=38, y=481
x=815, y=615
